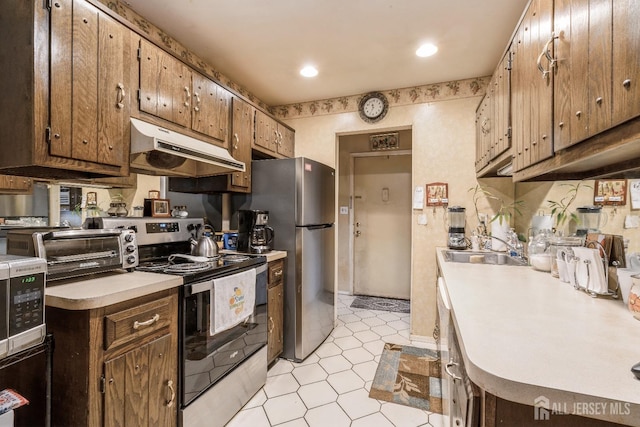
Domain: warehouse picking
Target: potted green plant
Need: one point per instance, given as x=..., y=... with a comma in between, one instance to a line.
x=500, y=222
x=560, y=208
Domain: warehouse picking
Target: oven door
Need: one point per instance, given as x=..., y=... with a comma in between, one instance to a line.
x=207, y=358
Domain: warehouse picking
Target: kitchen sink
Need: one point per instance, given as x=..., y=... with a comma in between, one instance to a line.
x=475, y=257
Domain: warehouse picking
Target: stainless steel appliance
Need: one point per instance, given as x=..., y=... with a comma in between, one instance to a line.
x=456, y=218
x=219, y=372
x=22, y=283
x=254, y=234
x=300, y=197
x=71, y=253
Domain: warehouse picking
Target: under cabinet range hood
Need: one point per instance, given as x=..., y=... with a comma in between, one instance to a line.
x=159, y=151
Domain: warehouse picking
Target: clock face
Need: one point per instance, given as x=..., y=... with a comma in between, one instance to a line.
x=373, y=107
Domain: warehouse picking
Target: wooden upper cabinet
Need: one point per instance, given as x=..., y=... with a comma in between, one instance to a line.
x=90, y=84
x=165, y=85
x=286, y=141
x=626, y=69
x=583, y=70
x=532, y=86
x=241, y=138
x=172, y=91
x=272, y=137
x=10, y=184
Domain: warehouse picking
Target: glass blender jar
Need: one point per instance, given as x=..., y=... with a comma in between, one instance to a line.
x=456, y=219
x=590, y=219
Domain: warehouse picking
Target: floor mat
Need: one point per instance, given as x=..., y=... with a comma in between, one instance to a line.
x=409, y=376
x=385, y=304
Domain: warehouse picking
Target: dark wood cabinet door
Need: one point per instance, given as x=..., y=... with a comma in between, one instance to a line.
x=600, y=65
x=265, y=131
x=204, y=109
x=221, y=124
x=286, y=141
x=626, y=65
x=140, y=386
x=275, y=337
x=165, y=85
x=90, y=72
x=241, y=138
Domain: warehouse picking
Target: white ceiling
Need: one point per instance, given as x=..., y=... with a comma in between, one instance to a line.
x=357, y=45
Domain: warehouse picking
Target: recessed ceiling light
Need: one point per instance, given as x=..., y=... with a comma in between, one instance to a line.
x=426, y=50
x=309, y=71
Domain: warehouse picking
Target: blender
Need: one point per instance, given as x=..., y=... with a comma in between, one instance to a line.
x=590, y=219
x=456, y=215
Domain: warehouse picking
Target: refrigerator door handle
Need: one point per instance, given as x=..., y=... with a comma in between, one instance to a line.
x=318, y=227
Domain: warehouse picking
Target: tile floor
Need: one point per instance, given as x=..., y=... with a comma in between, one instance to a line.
x=331, y=387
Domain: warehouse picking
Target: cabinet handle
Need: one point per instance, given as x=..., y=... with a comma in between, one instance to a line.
x=451, y=374
x=155, y=318
x=197, y=97
x=626, y=83
x=271, y=325
x=173, y=394
x=121, y=95
x=235, y=136
x=277, y=273
x=545, y=53
x=186, y=103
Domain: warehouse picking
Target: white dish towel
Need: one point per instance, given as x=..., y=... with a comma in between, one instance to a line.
x=233, y=299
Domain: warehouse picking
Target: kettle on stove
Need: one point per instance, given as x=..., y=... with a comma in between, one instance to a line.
x=205, y=245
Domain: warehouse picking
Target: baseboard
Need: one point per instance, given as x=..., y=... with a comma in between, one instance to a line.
x=422, y=338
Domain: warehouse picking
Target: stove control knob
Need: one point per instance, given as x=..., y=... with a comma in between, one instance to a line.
x=129, y=237
x=131, y=248
x=131, y=259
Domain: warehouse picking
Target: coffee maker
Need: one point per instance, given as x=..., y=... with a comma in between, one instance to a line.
x=254, y=235
x=456, y=217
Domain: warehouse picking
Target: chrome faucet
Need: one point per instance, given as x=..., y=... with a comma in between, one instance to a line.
x=519, y=251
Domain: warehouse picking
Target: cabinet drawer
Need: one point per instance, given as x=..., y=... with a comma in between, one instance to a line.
x=276, y=272
x=131, y=324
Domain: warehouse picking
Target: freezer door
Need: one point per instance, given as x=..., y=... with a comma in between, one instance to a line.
x=315, y=192
x=314, y=288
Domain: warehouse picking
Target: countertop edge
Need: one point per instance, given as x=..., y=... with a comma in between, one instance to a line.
x=97, y=292
x=516, y=391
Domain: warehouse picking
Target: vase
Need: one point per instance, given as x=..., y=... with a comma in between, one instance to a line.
x=500, y=229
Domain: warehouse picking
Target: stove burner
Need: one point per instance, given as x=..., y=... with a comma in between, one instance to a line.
x=189, y=267
x=235, y=258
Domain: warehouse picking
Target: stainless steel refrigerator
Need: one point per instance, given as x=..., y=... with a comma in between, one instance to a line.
x=300, y=197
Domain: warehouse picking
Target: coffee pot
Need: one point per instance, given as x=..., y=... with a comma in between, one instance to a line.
x=254, y=235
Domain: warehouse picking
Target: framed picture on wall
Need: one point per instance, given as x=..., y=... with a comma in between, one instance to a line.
x=610, y=192
x=437, y=194
x=92, y=198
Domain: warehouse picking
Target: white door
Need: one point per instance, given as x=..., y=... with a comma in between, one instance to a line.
x=382, y=226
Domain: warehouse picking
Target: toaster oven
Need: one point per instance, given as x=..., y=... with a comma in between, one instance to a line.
x=75, y=252
x=22, y=283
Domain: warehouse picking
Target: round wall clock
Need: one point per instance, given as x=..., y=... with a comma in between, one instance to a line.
x=373, y=107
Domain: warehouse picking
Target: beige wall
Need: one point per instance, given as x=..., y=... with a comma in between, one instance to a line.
x=443, y=135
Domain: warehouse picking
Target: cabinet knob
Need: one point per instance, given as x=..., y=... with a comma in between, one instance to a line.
x=85, y=142
x=626, y=83
x=599, y=100
x=544, y=137
x=578, y=113
x=561, y=124
x=56, y=136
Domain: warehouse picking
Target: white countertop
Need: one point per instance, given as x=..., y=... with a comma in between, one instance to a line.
x=97, y=291
x=526, y=334
x=106, y=289
x=271, y=255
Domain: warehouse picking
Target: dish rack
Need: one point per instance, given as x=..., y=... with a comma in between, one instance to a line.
x=593, y=244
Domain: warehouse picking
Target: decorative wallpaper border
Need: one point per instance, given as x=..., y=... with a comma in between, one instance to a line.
x=161, y=38
x=407, y=96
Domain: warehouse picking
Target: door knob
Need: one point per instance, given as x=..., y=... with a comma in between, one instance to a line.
x=357, y=233
x=357, y=224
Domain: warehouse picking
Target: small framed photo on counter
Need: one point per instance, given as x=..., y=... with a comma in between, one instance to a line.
x=154, y=194
x=158, y=208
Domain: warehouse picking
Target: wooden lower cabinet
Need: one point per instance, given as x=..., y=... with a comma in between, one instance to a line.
x=275, y=310
x=116, y=365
